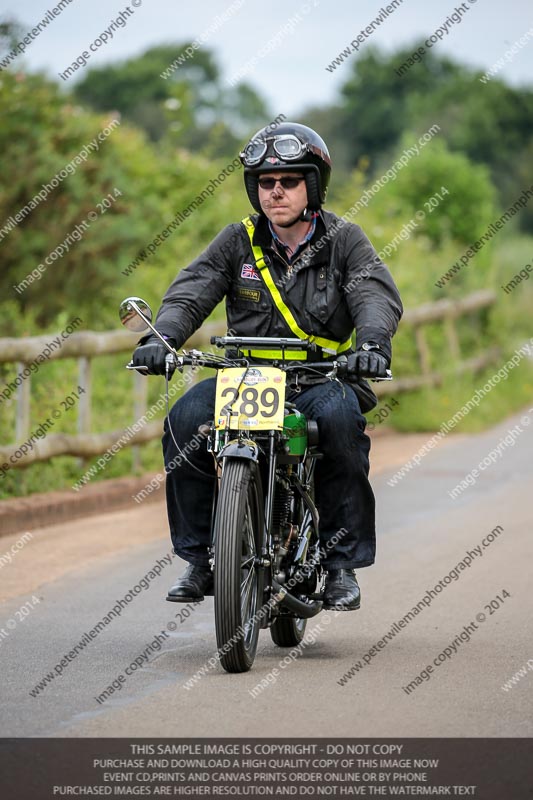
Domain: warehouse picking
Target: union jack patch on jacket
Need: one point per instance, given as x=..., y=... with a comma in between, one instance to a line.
x=249, y=271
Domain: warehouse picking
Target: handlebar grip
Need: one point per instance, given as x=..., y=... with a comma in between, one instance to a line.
x=342, y=371
x=342, y=367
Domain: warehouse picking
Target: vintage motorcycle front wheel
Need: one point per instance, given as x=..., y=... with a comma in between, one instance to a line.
x=238, y=578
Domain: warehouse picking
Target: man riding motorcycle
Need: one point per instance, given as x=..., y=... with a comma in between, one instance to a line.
x=290, y=269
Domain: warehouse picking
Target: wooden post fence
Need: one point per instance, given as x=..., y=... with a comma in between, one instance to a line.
x=88, y=345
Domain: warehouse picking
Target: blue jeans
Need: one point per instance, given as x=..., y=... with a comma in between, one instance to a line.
x=343, y=493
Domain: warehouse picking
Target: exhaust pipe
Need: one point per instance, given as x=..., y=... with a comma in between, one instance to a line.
x=302, y=608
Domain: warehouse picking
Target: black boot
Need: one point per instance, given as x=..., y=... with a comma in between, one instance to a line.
x=192, y=586
x=342, y=590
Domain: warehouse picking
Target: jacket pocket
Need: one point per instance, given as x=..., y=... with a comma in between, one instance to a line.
x=248, y=311
x=326, y=304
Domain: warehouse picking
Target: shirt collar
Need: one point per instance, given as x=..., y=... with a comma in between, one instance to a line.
x=309, y=235
x=317, y=255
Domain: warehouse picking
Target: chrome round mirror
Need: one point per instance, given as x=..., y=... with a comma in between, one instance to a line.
x=135, y=314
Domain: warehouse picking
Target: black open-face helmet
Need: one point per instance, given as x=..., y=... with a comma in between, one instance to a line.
x=288, y=147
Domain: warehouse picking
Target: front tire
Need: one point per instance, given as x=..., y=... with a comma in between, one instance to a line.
x=238, y=534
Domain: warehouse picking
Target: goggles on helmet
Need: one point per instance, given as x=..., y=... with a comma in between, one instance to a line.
x=287, y=147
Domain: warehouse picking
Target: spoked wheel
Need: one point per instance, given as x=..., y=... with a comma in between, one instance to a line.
x=238, y=580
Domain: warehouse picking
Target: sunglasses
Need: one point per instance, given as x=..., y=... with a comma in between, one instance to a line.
x=289, y=182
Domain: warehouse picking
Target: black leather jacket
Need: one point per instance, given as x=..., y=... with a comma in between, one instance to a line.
x=338, y=284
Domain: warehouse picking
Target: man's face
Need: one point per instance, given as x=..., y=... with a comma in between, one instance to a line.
x=280, y=205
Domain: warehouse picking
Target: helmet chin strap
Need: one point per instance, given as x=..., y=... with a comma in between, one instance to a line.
x=304, y=216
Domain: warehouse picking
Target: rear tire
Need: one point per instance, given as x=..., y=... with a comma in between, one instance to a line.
x=238, y=533
x=288, y=631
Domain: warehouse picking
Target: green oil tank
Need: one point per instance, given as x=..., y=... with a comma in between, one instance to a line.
x=295, y=429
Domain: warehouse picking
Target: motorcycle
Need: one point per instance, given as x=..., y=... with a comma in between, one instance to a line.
x=264, y=549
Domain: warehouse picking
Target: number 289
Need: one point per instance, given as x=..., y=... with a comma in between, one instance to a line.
x=267, y=403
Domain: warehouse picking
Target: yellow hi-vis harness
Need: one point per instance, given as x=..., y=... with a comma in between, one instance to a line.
x=286, y=313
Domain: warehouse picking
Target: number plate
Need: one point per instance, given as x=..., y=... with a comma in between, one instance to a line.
x=254, y=398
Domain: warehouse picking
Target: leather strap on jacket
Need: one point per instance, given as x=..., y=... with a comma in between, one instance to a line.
x=326, y=344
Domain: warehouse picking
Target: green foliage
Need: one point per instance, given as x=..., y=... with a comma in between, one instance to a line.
x=419, y=255
x=427, y=409
x=491, y=123
x=42, y=134
x=463, y=213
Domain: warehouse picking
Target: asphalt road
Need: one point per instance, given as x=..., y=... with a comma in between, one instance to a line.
x=423, y=535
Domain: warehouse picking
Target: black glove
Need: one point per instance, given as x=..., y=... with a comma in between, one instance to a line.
x=152, y=354
x=368, y=362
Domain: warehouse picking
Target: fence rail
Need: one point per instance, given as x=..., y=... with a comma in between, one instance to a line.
x=88, y=345
x=447, y=312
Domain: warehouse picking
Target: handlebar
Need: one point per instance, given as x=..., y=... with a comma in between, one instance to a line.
x=196, y=358
x=339, y=365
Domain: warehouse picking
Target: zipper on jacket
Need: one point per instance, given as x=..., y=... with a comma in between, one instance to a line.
x=290, y=267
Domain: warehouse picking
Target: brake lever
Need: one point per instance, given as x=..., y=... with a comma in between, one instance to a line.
x=387, y=378
x=140, y=368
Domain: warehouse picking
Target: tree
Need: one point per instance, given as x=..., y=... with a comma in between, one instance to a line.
x=10, y=33
x=490, y=122
x=132, y=189
x=136, y=89
x=184, y=102
x=375, y=110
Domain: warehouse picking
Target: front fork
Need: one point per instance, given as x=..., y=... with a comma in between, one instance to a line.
x=222, y=447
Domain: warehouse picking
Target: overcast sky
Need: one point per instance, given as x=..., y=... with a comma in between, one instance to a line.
x=311, y=33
